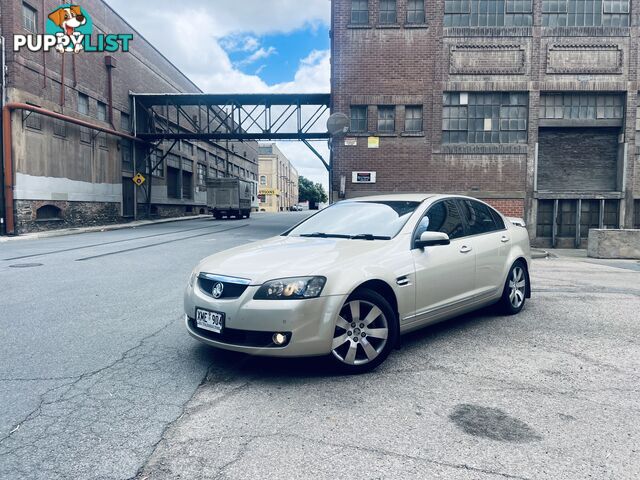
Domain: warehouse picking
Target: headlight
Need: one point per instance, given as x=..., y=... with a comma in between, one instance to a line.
x=291, y=288
x=192, y=278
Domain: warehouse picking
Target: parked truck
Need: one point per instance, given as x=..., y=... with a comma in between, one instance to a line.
x=229, y=197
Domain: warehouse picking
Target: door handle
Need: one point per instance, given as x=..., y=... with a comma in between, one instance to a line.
x=465, y=249
x=505, y=239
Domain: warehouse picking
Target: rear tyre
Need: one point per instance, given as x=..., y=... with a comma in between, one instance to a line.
x=365, y=333
x=514, y=295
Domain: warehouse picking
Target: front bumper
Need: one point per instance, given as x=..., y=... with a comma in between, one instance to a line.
x=310, y=323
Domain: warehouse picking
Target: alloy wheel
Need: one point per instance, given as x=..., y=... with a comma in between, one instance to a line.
x=361, y=333
x=517, y=287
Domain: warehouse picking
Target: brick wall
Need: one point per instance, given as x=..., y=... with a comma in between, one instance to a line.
x=402, y=65
x=508, y=207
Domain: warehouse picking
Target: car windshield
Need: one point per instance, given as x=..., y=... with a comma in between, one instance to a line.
x=358, y=220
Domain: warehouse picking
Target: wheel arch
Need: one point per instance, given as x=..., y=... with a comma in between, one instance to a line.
x=384, y=289
x=526, y=271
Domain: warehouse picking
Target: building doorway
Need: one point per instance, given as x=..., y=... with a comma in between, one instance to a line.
x=128, y=198
x=577, y=184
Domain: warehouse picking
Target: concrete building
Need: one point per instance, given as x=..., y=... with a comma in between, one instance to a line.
x=278, y=185
x=531, y=105
x=65, y=175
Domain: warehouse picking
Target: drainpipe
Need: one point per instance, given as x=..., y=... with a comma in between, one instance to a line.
x=62, y=86
x=2, y=101
x=44, y=53
x=110, y=63
x=7, y=149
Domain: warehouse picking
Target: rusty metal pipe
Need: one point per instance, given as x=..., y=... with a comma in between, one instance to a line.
x=8, y=149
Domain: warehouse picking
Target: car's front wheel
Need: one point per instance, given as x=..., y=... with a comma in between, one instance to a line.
x=365, y=333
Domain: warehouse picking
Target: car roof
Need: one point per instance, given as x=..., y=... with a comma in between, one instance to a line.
x=394, y=197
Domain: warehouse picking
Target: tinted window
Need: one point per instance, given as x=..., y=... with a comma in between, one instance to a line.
x=498, y=219
x=478, y=217
x=442, y=217
x=381, y=219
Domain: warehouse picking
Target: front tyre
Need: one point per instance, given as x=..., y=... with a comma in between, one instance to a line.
x=514, y=295
x=366, y=331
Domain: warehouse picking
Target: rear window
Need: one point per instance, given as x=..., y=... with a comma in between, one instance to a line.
x=479, y=217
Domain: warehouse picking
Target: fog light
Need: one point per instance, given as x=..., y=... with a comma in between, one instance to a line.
x=279, y=338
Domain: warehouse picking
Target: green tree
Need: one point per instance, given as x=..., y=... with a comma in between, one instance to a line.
x=310, y=192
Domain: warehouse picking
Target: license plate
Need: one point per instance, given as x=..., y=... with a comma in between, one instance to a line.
x=211, y=321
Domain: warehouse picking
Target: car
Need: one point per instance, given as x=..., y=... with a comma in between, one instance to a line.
x=346, y=282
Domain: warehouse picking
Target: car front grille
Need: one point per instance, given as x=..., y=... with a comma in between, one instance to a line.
x=231, y=287
x=241, y=338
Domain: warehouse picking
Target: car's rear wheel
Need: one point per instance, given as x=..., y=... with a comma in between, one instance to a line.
x=365, y=333
x=514, y=295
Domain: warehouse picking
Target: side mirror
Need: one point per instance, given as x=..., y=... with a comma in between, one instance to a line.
x=432, y=239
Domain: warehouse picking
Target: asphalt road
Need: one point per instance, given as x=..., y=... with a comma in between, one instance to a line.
x=99, y=380
x=95, y=362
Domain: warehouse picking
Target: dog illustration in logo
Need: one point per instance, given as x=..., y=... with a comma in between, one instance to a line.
x=68, y=19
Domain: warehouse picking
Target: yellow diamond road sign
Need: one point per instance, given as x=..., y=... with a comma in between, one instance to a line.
x=139, y=179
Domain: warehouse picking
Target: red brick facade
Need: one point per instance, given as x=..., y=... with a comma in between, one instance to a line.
x=400, y=65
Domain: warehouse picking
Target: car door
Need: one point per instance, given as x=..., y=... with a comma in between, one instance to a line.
x=445, y=275
x=488, y=237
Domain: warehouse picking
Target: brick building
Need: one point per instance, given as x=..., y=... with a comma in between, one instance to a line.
x=66, y=175
x=531, y=105
x=278, y=189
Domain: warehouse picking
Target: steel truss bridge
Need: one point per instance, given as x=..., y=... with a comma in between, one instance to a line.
x=235, y=117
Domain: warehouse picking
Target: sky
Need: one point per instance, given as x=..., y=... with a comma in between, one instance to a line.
x=244, y=46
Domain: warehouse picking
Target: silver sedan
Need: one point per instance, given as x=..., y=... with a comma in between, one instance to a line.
x=349, y=280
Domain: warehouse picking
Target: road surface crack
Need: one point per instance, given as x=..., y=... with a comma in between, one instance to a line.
x=36, y=412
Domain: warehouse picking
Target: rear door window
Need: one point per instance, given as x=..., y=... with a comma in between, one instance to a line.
x=478, y=217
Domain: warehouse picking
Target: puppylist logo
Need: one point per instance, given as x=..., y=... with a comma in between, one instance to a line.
x=69, y=28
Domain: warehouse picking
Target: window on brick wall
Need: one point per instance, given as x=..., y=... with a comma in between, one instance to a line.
x=32, y=120
x=83, y=104
x=202, y=155
x=386, y=119
x=102, y=112
x=388, y=11
x=186, y=147
x=638, y=118
x=581, y=106
x=102, y=116
x=636, y=216
x=585, y=13
x=499, y=117
x=59, y=128
x=187, y=178
x=415, y=11
x=359, y=12
x=29, y=18
x=359, y=119
x=126, y=146
x=488, y=13
x=544, y=227
x=125, y=122
x=413, y=118
x=202, y=175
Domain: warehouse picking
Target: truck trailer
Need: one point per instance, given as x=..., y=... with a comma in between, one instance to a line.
x=229, y=197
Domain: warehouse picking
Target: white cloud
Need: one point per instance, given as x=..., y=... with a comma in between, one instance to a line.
x=195, y=40
x=259, y=54
x=240, y=43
